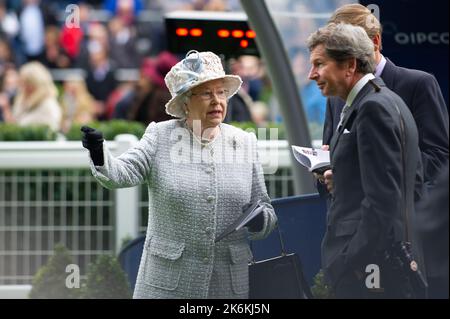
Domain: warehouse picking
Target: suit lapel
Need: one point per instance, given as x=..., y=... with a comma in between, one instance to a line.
x=352, y=112
x=388, y=74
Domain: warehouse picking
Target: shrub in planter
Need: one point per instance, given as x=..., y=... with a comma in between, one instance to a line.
x=50, y=280
x=320, y=289
x=106, y=280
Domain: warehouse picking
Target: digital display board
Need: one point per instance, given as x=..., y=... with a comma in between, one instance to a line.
x=224, y=33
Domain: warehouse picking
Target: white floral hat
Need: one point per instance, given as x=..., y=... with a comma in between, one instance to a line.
x=197, y=68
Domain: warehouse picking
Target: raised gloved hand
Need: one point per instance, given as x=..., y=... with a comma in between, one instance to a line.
x=257, y=223
x=93, y=141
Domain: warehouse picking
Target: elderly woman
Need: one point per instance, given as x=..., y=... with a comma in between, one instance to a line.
x=201, y=174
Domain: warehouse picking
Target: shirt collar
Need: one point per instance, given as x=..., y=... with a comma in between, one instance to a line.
x=358, y=86
x=380, y=66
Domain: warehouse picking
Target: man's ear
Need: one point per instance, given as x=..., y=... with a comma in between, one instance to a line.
x=377, y=42
x=351, y=66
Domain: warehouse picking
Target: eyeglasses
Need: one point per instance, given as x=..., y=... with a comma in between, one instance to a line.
x=209, y=95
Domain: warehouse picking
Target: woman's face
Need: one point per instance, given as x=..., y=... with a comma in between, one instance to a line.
x=27, y=87
x=208, y=103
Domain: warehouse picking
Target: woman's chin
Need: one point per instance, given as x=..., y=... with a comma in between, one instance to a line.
x=214, y=121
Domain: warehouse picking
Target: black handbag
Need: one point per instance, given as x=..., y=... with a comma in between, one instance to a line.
x=280, y=277
x=403, y=269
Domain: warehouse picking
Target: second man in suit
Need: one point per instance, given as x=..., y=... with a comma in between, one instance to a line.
x=372, y=185
x=421, y=93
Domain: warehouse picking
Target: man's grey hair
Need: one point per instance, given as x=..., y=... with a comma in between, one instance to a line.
x=345, y=41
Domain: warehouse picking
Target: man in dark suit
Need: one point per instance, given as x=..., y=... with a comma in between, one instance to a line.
x=421, y=93
x=374, y=156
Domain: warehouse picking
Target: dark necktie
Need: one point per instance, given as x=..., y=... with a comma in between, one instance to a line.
x=343, y=112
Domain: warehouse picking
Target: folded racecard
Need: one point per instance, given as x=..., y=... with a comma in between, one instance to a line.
x=316, y=160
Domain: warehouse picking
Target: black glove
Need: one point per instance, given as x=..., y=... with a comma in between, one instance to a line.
x=257, y=223
x=93, y=141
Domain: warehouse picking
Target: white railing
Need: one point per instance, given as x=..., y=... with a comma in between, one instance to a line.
x=48, y=195
x=70, y=155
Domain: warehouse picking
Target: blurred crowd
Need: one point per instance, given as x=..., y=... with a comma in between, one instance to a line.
x=102, y=38
x=60, y=63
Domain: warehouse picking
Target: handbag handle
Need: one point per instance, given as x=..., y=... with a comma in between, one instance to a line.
x=282, y=246
x=280, y=237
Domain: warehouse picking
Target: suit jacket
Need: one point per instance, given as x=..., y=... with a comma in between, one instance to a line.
x=194, y=194
x=367, y=202
x=421, y=93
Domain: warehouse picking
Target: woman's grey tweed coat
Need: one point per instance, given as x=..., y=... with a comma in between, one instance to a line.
x=194, y=194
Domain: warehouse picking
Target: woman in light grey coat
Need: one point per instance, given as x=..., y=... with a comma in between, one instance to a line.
x=200, y=174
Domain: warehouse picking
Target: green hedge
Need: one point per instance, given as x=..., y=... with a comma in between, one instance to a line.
x=315, y=129
x=252, y=127
x=109, y=129
x=14, y=132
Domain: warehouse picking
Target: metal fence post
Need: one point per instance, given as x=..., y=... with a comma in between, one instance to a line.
x=127, y=201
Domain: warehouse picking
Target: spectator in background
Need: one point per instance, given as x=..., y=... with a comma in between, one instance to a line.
x=249, y=68
x=146, y=102
x=197, y=5
x=314, y=103
x=72, y=39
x=97, y=34
x=54, y=56
x=260, y=114
x=36, y=100
x=6, y=55
x=9, y=24
x=126, y=10
x=123, y=44
x=8, y=87
x=77, y=103
x=9, y=81
x=9, y=29
x=240, y=106
x=32, y=29
x=100, y=79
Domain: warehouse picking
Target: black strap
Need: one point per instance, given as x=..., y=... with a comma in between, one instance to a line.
x=403, y=148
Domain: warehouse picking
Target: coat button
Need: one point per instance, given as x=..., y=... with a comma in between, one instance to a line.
x=210, y=198
x=205, y=260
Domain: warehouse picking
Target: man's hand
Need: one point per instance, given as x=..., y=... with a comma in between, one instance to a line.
x=328, y=180
x=93, y=141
